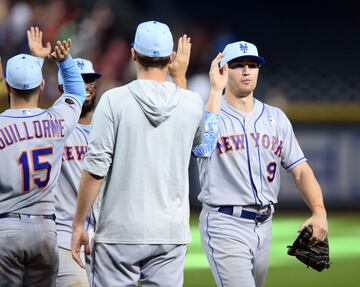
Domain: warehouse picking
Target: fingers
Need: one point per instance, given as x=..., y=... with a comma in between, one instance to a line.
x=319, y=234
x=319, y=231
x=48, y=46
x=215, y=63
x=87, y=249
x=184, y=45
x=61, y=50
x=67, y=44
x=31, y=35
x=225, y=69
x=75, y=252
x=79, y=237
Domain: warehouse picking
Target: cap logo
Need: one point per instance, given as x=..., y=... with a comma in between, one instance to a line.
x=156, y=53
x=243, y=47
x=81, y=65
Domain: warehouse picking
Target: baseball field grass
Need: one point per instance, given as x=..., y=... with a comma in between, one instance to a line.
x=287, y=271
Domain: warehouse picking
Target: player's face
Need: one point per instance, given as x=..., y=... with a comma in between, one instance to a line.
x=90, y=99
x=243, y=75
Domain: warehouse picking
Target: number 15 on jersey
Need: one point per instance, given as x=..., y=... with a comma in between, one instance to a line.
x=32, y=164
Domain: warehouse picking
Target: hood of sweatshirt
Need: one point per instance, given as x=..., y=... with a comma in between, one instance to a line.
x=157, y=100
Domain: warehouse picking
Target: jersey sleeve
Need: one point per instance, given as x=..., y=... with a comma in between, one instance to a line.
x=68, y=109
x=210, y=136
x=292, y=155
x=102, y=139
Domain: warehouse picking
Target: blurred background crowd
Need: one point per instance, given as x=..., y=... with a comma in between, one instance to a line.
x=310, y=47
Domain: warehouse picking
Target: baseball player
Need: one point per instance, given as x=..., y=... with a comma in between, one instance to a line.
x=70, y=273
x=240, y=179
x=31, y=145
x=141, y=140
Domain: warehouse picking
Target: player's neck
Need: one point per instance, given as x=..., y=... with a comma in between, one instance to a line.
x=154, y=74
x=86, y=119
x=20, y=103
x=243, y=104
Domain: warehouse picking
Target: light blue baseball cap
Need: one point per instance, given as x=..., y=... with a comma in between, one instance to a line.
x=23, y=72
x=153, y=39
x=86, y=70
x=239, y=50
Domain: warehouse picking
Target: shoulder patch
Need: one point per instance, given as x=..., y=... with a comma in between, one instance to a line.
x=69, y=101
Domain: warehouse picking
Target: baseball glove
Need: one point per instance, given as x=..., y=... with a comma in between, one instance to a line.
x=316, y=256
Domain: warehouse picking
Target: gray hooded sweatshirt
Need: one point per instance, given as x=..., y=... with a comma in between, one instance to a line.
x=141, y=140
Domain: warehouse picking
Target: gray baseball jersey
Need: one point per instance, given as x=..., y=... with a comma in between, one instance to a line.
x=248, y=155
x=243, y=172
x=31, y=144
x=67, y=186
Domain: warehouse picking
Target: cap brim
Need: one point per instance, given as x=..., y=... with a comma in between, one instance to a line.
x=90, y=76
x=258, y=59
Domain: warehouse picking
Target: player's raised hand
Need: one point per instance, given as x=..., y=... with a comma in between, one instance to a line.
x=178, y=68
x=36, y=47
x=79, y=238
x=218, y=77
x=218, y=81
x=61, y=51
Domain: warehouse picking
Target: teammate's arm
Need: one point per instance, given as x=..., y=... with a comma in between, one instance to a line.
x=310, y=190
x=178, y=67
x=88, y=189
x=218, y=81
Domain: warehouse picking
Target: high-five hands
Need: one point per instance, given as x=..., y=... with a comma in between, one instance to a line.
x=37, y=49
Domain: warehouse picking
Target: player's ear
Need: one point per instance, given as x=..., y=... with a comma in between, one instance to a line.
x=42, y=86
x=133, y=54
x=172, y=57
x=61, y=89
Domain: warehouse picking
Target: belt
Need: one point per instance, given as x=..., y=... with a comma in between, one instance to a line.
x=262, y=213
x=20, y=215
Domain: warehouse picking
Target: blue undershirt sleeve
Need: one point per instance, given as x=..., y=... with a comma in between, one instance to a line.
x=73, y=81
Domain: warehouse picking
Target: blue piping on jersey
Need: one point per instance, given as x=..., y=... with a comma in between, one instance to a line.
x=212, y=249
x=89, y=219
x=23, y=116
x=294, y=163
x=82, y=132
x=249, y=167
x=247, y=153
x=258, y=150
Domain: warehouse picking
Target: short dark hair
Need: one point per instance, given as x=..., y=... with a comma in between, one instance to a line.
x=152, y=62
x=25, y=93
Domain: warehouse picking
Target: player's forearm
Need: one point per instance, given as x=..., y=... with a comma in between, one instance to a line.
x=213, y=104
x=211, y=123
x=88, y=189
x=310, y=189
x=73, y=81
